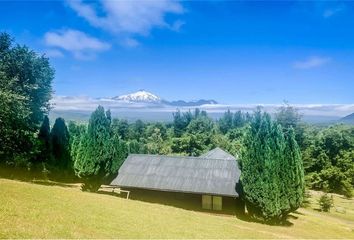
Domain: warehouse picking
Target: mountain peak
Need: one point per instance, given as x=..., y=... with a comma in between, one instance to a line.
x=139, y=96
x=143, y=96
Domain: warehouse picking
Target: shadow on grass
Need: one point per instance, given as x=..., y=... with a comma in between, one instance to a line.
x=285, y=223
x=192, y=202
x=187, y=201
x=299, y=213
x=37, y=177
x=53, y=183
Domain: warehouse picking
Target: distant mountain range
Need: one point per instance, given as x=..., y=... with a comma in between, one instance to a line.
x=348, y=119
x=143, y=96
x=148, y=106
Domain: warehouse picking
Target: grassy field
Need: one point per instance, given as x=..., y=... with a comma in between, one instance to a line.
x=29, y=210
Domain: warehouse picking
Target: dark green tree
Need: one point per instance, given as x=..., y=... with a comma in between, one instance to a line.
x=121, y=127
x=289, y=117
x=179, y=123
x=135, y=146
x=191, y=144
x=60, y=144
x=296, y=185
x=201, y=125
x=271, y=170
x=136, y=130
x=226, y=122
x=25, y=91
x=100, y=151
x=238, y=120
x=44, y=141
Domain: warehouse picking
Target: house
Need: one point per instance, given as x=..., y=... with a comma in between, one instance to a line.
x=212, y=176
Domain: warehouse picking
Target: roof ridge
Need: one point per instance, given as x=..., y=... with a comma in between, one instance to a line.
x=172, y=156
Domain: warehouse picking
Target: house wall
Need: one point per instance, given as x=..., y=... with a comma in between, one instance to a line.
x=190, y=201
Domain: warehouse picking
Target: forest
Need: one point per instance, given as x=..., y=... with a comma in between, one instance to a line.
x=91, y=153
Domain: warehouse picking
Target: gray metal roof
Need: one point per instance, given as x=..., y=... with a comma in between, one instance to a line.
x=218, y=153
x=179, y=174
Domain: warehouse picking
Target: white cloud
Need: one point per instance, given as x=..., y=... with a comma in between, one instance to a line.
x=54, y=53
x=80, y=44
x=332, y=11
x=176, y=26
x=131, y=17
x=311, y=62
x=87, y=104
x=130, y=42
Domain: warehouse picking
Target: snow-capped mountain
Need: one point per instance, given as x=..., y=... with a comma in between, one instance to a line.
x=140, y=96
x=143, y=96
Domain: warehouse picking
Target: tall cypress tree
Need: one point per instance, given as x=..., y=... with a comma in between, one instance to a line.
x=100, y=153
x=296, y=175
x=44, y=140
x=60, y=144
x=253, y=165
x=280, y=172
x=271, y=170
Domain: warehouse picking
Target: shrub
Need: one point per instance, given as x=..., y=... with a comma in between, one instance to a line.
x=326, y=202
x=306, y=201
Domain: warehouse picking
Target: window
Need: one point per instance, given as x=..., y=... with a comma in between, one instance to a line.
x=217, y=203
x=206, y=202
x=211, y=202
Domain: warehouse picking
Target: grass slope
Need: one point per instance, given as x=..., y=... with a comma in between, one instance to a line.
x=30, y=210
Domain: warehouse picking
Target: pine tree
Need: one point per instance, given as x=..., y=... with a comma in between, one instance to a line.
x=225, y=123
x=44, y=141
x=60, y=144
x=271, y=170
x=296, y=183
x=100, y=152
x=238, y=120
x=179, y=124
x=253, y=165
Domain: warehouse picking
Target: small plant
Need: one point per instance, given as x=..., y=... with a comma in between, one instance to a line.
x=45, y=172
x=326, y=202
x=306, y=202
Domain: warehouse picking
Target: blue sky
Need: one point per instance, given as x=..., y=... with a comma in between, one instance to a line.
x=231, y=51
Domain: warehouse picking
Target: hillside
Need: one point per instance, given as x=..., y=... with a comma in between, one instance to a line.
x=348, y=119
x=30, y=210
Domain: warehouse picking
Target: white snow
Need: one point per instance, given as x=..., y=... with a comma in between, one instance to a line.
x=139, y=96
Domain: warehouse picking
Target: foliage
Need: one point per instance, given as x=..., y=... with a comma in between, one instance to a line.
x=271, y=170
x=288, y=117
x=121, y=127
x=25, y=91
x=194, y=133
x=329, y=159
x=293, y=167
x=230, y=121
x=60, y=144
x=326, y=202
x=225, y=123
x=45, y=149
x=100, y=152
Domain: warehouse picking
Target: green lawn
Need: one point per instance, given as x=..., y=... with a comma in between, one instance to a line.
x=29, y=210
